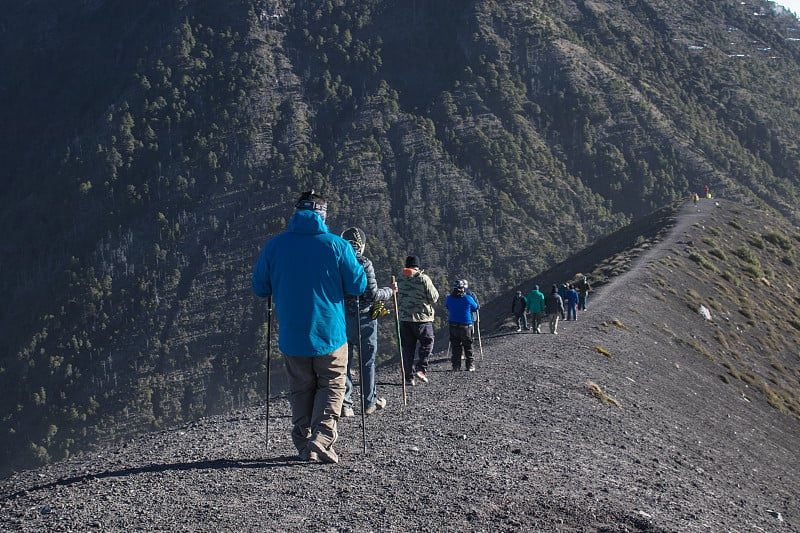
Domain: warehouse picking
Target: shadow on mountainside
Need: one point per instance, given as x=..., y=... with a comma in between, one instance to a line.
x=640, y=416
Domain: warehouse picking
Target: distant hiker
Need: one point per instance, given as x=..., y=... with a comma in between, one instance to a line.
x=461, y=306
x=308, y=271
x=696, y=198
x=360, y=316
x=572, y=303
x=415, y=298
x=562, y=291
x=535, y=301
x=554, y=307
x=706, y=192
x=519, y=307
x=583, y=289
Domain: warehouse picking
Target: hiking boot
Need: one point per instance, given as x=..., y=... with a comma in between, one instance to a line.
x=378, y=405
x=471, y=368
x=456, y=368
x=347, y=412
x=326, y=455
x=307, y=455
x=519, y=329
x=410, y=382
x=422, y=377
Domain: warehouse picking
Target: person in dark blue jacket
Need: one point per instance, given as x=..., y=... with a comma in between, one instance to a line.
x=460, y=307
x=562, y=291
x=572, y=302
x=307, y=271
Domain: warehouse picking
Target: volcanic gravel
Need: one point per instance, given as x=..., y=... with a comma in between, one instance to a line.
x=522, y=444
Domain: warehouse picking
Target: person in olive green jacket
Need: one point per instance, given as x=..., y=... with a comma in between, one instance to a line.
x=415, y=298
x=535, y=300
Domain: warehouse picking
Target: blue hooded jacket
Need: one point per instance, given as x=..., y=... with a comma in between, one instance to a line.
x=461, y=308
x=308, y=270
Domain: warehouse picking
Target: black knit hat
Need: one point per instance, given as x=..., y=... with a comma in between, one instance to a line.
x=412, y=261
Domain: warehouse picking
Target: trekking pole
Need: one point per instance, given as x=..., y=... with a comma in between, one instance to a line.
x=269, y=350
x=399, y=344
x=480, y=344
x=361, y=377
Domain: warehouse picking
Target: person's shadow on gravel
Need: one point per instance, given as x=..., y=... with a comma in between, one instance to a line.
x=214, y=464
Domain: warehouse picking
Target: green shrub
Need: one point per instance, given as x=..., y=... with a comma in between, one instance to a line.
x=702, y=261
x=730, y=278
x=757, y=241
x=777, y=239
x=718, y=253
x=746, y=254
x=754, y=270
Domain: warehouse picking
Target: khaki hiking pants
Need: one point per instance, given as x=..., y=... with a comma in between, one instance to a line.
x=316, y=391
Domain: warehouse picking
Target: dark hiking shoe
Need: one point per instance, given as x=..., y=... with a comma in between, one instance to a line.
x=307, y=455
x=456, y=368
x=422, y=377
x=377, y=406
x=410, y=382
x=326, y=455
x=471, y=368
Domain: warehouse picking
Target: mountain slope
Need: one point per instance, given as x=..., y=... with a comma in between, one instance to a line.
x=151, y=149
x=519, y=444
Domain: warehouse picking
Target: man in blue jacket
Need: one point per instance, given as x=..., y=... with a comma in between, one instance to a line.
x=308, y=270
x=460, y=307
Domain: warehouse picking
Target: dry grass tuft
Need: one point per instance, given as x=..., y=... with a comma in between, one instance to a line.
x=600, y=349
x=597, y=392
x=616, y=322
x=619, y=324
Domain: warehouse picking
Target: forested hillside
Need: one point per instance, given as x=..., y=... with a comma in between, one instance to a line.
x=150, y=148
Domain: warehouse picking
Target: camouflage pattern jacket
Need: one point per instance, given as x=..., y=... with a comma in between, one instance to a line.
x=372, y=292
x=416, y=296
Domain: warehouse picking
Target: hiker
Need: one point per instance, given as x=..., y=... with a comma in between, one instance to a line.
x=361, y=317
x=696, y=198
x=415, y=298
x=572, y=302
x=308, y=271
x=583, y=289
x=535, y=301
x=554, y=308
x=518, y=307
x=461, y=307
x=562, y=291
x=706, y=192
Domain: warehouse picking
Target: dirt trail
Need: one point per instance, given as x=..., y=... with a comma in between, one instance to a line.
x=686, y=216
